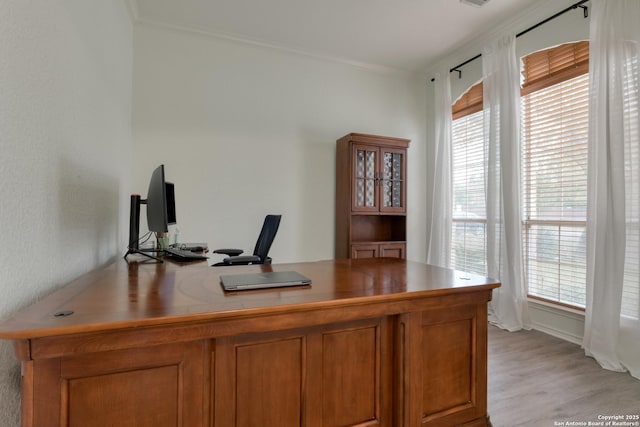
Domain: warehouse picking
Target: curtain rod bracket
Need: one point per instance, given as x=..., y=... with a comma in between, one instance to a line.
x=459, y=71
x=585, y=10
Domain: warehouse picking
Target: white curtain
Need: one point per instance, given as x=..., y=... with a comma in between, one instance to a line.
x=612, y=329
x=439, y=248
x=501, y=81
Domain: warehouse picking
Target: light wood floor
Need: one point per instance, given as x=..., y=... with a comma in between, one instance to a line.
x=538, y=380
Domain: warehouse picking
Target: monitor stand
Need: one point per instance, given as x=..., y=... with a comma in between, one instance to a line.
x=143, y=252
x=134, y=231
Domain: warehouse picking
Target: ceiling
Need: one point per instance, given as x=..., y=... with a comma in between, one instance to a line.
x=408, y=35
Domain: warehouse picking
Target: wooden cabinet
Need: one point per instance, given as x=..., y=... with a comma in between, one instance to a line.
x=371, y=193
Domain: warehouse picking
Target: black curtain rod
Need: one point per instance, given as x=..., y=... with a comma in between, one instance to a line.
x=521, y=33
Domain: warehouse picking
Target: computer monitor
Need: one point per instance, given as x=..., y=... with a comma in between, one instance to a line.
x=161, y=211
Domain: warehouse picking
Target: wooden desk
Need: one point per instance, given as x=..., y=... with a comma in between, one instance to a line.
x=372, y=342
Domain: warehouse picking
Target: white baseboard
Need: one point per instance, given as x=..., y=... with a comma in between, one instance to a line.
x=556, y=321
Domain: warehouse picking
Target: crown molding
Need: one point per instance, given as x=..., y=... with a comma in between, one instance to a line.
x=380, y=69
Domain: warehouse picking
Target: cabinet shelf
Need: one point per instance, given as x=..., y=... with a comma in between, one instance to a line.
x=378, y=228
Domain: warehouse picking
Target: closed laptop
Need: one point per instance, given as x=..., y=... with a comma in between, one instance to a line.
x=273, y=279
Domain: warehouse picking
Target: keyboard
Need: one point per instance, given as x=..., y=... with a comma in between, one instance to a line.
x=183, y=254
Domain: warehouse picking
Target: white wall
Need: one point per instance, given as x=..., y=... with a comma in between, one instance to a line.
x=571, y=26
x=65, y=139
x=245, y=130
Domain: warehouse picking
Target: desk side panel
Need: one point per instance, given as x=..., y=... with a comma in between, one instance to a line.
x=454, y=360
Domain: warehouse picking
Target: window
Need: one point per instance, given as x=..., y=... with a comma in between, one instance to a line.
x=468, y=246
x=554, y=134
x=631, y=288
x=554, y=175
x=554, y=182
x=555, y=110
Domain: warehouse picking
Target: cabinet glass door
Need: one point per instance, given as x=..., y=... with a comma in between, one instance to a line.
x=392, y=180
x=365, y=195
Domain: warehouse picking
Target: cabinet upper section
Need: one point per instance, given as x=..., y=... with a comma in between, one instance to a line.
x=378, y=172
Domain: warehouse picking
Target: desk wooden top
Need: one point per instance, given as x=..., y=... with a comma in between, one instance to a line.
x=123, y=295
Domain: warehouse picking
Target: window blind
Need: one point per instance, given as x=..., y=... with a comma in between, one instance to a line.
x=631, y=287
x=470, y=102
x=554, y=183
x=539, y=70
x=550, y=66
x=468, y=248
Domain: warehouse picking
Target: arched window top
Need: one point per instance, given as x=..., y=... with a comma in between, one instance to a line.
x=470, y=102
x=547, y=67
x=540, y=69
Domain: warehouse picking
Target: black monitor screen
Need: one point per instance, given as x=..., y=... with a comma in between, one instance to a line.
x=171, y=202
x=157, y=217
